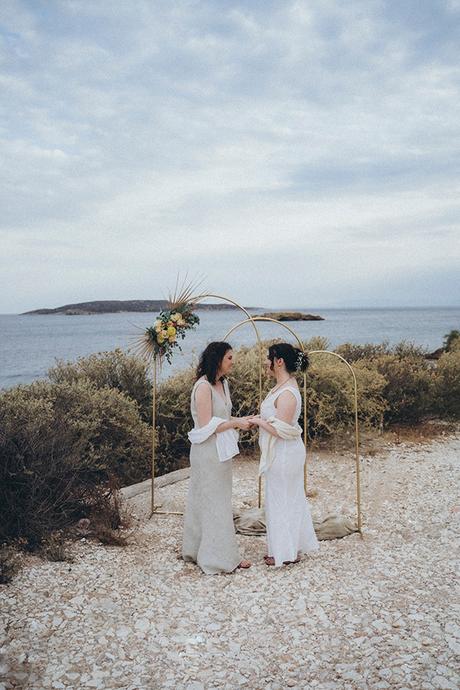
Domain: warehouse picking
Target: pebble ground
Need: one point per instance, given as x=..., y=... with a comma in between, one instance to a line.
x=376, y=612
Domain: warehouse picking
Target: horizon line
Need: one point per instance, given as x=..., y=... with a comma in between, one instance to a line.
x=277, y=308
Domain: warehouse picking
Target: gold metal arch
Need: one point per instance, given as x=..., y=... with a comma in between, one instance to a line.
x=355, y=389
x=250, y=318
x=279, y=323
x=194, y=300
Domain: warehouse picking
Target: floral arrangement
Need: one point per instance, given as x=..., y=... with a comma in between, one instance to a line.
x=170, y=326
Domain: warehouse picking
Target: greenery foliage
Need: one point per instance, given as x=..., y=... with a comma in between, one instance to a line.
x=67, y=443
x=64, y=447
x=9, y=563
x=447, y=384
x=115, y=369
x=452, y=341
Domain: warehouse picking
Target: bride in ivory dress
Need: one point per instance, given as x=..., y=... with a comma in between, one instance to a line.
x=289, y=525
x=209, y=534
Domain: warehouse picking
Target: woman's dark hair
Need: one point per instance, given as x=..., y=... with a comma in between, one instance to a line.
x=210, y=360
x=294, y=358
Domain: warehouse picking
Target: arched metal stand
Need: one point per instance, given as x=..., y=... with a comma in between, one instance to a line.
x=305, y=414
x=252, y=320
x=279, y=323
x=197, y=300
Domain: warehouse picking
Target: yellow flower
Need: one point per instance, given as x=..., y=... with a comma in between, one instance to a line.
x=160, y=339
x=171, y=332
x=176, y=316
x=181, y=322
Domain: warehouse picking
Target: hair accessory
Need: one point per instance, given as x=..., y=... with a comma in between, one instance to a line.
x=299, y=361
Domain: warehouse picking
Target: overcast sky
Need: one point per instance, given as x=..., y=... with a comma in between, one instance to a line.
x=295, y=153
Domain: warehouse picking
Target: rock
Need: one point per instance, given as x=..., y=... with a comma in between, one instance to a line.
x=441, y=683
x=453, y=645
x=142, y=624
x=437, y=354
x=292, y=316
x=213, y=627
x=300, y=605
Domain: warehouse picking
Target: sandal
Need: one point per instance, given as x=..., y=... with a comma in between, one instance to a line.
x=297, y=560
x=244, y=565
x=269, y=560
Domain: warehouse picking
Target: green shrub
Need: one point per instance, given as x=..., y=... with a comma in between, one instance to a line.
x=10, y=563
x=174, y=420
x=369, y=351
x=330, y=396
x=115, y=369
x=64, y=447
x=452, y=340
x=447, y=384
x=318, y=342
x=66, y=444
x=408, y=350
x=409, y=387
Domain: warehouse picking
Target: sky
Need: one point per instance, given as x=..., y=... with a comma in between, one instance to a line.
x=290, y=153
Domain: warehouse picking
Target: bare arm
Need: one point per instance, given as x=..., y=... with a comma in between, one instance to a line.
x=285, y=409
x=203, y=399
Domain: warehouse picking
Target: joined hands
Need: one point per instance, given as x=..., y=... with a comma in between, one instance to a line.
x=246, y=423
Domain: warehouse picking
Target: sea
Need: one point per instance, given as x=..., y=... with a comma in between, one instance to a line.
x=31, y=344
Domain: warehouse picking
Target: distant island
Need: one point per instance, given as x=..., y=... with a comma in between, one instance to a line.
x=292, y=316
x=118, y=306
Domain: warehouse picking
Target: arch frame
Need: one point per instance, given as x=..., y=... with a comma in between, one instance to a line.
x=355, y=396
x=155, y=509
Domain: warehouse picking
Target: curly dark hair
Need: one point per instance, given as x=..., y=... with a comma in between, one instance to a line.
x=210, y=360
x=294, y=358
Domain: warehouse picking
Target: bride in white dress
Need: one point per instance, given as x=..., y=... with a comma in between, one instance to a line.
x=289, y=525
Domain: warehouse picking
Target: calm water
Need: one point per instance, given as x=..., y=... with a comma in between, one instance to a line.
x=29, y=345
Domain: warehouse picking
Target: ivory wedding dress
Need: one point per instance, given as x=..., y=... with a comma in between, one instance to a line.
x=289, y=524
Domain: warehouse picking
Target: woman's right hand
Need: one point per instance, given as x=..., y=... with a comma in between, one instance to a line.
x=243, y=423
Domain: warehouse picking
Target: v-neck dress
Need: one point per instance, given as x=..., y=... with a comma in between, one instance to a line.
x=209, y=537
x=287, y=513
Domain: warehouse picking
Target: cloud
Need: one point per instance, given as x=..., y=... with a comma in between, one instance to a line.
x=144, y=136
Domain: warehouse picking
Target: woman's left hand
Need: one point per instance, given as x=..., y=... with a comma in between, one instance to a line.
x=255, y=420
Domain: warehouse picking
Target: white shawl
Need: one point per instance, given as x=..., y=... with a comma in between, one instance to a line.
x=226, y=441
x=288, y=432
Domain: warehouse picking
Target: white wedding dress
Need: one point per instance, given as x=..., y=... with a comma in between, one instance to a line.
x=289, y=525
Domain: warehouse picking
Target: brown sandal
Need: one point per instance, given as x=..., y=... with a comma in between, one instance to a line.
x=244, y=565
x=269, y=560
